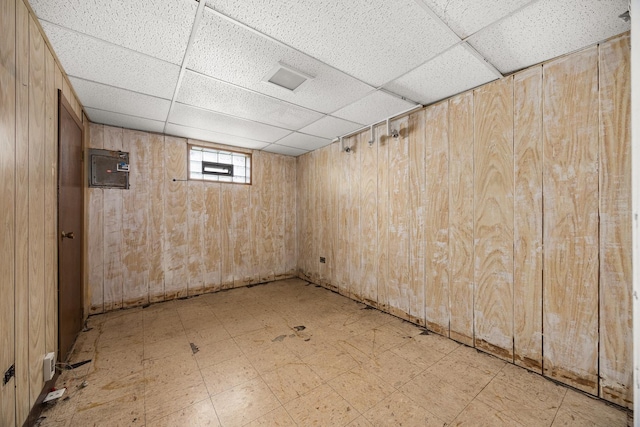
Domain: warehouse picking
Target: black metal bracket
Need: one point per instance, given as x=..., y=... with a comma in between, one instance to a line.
x=9, y=374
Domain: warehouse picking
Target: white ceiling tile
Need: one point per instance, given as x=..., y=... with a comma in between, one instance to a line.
x=159, y=28
x=466, y=17
x=216, y=137
x=204, y=119
x=122, y=120
x=448, y=74
x=330, y=127
x=374, y=107
x=214, y=95
x=287, y=151
x=373, y=40
x=244, y=58
x=109, y=98
x=95, y=60
x=303, y=141
x=549, y=28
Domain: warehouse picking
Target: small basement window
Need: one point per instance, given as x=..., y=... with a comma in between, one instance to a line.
x=212, y=164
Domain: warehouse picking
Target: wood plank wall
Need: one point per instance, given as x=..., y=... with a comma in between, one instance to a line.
x=443, y=225
x=167, y=237
x=30, y=77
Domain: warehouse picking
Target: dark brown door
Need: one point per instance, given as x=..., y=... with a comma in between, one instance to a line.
x=70, y=227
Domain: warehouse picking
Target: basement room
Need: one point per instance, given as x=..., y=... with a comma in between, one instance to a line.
x=319, y=213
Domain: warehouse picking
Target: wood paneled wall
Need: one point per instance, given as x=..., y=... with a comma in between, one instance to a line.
x=495, y=215
x=30, y=77
x=167, y=237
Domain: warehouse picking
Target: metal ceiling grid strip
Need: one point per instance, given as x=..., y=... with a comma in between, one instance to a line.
x=183, y=67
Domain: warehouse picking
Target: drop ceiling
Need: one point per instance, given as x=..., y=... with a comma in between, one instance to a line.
x=200, y=70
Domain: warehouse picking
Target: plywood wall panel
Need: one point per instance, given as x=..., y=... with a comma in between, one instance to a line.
x=342, y=216
x=615, y=223
x=195, y=237
x=418, y=218
x=242, y=236
x=113, y=231
x=493, y=225
x=382, y=247
x=22, y=215
x=95, y=232
x=461, y=271
x=399, y=292
x=278, y=190
x=212, y=250
x=263, y=194
x=437, y=212
x=135, y=218
x=175, y=218
x=51, y=205
x=7, y=198
x=290, y=208
x=305, y=231
x=156, y=238
x=324, y=210
x=227, y=236
x=570, y=306
x=527, y=281
x=369, y=218
x=36, y=209
x=354, y=249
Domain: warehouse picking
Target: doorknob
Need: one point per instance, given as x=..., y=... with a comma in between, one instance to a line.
x=68, y=235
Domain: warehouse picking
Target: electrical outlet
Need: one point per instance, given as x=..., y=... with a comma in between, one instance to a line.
x=323, y=260
x=49, y=366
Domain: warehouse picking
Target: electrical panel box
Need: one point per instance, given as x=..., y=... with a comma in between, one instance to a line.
x=108, y=169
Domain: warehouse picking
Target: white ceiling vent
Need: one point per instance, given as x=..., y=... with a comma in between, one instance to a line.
x=286, y=77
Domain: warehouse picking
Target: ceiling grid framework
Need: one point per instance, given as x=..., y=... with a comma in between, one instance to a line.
x=198, y=70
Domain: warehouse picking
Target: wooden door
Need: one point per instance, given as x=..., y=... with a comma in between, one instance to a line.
x=70, y=227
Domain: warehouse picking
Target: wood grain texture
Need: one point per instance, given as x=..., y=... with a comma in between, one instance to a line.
x=243, y=273
x=382, y=249
x=301, y=210
x=437, y=212
x=461, y=242
x=195, y=237
x=290, y=207
x=344, y=202
x=95, y=232
x=212, y=251
x=527, y=232
x=36, y=210
x=7, y=198
x=570, y=180
x=399, y=220
x=279, y=188
x=493, y=225
x=369, y=219
x=332, y=256
x=324, y=209
x=227, y=236
x=22, y=215
x=51, y=205
x=616, y=370
x=263, y=195
x=155, y=241
x=135, y=217
x=353, y=218
x=313, y=215
x=420, y=291
x=113, y=231
x=175, y=218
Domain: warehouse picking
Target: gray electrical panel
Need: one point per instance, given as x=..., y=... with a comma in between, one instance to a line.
x=108, y=169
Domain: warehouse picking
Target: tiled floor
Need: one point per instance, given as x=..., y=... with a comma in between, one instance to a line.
x=288, y=353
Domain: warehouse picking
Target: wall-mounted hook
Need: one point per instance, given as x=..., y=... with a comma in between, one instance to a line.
x=391, y=133
x=373, y=138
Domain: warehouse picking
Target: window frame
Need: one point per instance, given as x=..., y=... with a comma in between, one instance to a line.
x=248, y=154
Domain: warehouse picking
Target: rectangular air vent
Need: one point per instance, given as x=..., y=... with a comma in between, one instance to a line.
x=286, y=77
